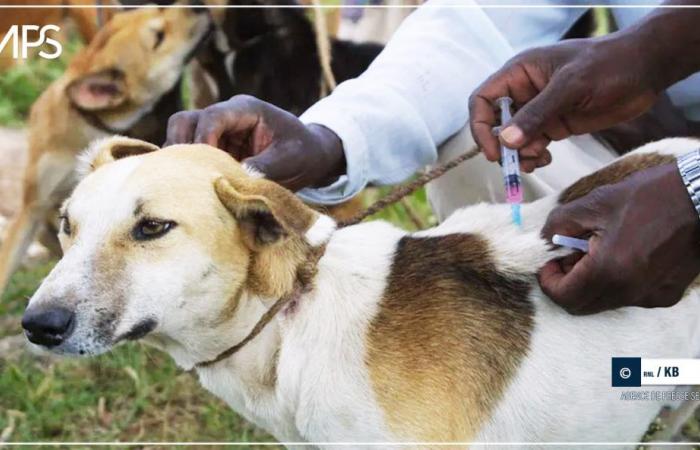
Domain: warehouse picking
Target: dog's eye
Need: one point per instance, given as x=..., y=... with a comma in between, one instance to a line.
x=151, y=229
x=65, y=225
x=160, y=35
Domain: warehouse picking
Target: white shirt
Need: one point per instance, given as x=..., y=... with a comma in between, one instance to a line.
x=413, y=97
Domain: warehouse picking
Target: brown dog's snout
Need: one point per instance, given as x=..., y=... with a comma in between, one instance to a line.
x=48, y=326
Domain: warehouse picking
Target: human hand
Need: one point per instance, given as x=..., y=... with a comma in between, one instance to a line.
x=266, y=138
x=644, y=248
x=574, y=87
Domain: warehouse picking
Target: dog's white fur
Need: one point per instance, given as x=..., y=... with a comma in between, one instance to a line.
x=323, y=393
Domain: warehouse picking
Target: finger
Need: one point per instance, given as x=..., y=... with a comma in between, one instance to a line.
x=482, y=120
x=512, y=80
x=568, y=262
x=237, y=118
x=545, y=159
x=528, y=165
x=535, y=149
x=273, y=164
x=530, y=121
x=181, y=128
x=573, y=289
x=574, y=219
x=210, y=128
x=530, y=162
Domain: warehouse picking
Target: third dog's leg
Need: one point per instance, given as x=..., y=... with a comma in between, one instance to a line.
x=45, y=178
x=18, y=237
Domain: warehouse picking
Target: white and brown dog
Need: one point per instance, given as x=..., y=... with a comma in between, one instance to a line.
x=436, y=336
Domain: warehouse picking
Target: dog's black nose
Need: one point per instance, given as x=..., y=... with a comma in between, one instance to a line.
x=48, y=326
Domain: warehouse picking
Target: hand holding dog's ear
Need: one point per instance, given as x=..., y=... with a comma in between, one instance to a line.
x=266, y=138
x=643, y=251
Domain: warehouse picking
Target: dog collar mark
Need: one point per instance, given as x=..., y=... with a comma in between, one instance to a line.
x=303, y=284
x=95, y=122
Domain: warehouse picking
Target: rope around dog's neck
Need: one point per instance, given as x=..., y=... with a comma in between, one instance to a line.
x=307, y=271
x=302, y=284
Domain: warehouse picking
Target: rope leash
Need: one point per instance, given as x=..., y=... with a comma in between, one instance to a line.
x=324, y=48
x=307, y=271
x=401, y=192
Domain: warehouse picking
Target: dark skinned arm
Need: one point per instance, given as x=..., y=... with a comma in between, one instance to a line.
x=645, y=234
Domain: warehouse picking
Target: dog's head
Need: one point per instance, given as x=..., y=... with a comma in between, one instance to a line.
x=168, y=243
x=133, y=61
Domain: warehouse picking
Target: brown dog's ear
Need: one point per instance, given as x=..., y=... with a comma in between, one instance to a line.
x=267, y=212
x=107, y=150
x=98, y=91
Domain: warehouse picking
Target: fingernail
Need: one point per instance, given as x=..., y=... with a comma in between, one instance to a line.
x=512, y=135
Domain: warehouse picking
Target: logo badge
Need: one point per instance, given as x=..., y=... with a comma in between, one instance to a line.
x=24, y=37
x=626, y=372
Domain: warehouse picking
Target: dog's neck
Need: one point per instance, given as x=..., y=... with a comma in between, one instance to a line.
x=211, y=339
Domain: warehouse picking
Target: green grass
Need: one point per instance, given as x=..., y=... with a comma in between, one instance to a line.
x=131, y=394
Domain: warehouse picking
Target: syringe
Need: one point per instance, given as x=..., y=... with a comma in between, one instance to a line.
x=510, y=162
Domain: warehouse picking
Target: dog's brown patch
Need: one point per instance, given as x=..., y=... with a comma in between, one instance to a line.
x=614, y=173
x=449, y=335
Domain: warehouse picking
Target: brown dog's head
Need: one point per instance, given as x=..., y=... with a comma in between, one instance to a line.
x=172, y=244
x=133, y=61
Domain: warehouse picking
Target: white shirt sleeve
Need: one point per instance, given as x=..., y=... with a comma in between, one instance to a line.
x=411, y=99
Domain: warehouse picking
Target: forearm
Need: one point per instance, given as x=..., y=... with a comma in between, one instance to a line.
x=670, y=37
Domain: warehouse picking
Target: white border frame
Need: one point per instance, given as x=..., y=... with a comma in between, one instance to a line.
x=352, y=444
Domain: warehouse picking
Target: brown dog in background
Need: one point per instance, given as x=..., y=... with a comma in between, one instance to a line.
x=125, y=82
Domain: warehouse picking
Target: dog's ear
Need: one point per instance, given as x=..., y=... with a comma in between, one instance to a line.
x=98, y=91
x=107, y=150
x=267, y=212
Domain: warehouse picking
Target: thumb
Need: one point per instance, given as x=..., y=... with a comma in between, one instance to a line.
x=257, y=164
x=575, y=219
x=529, y=122
x=269, y=162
